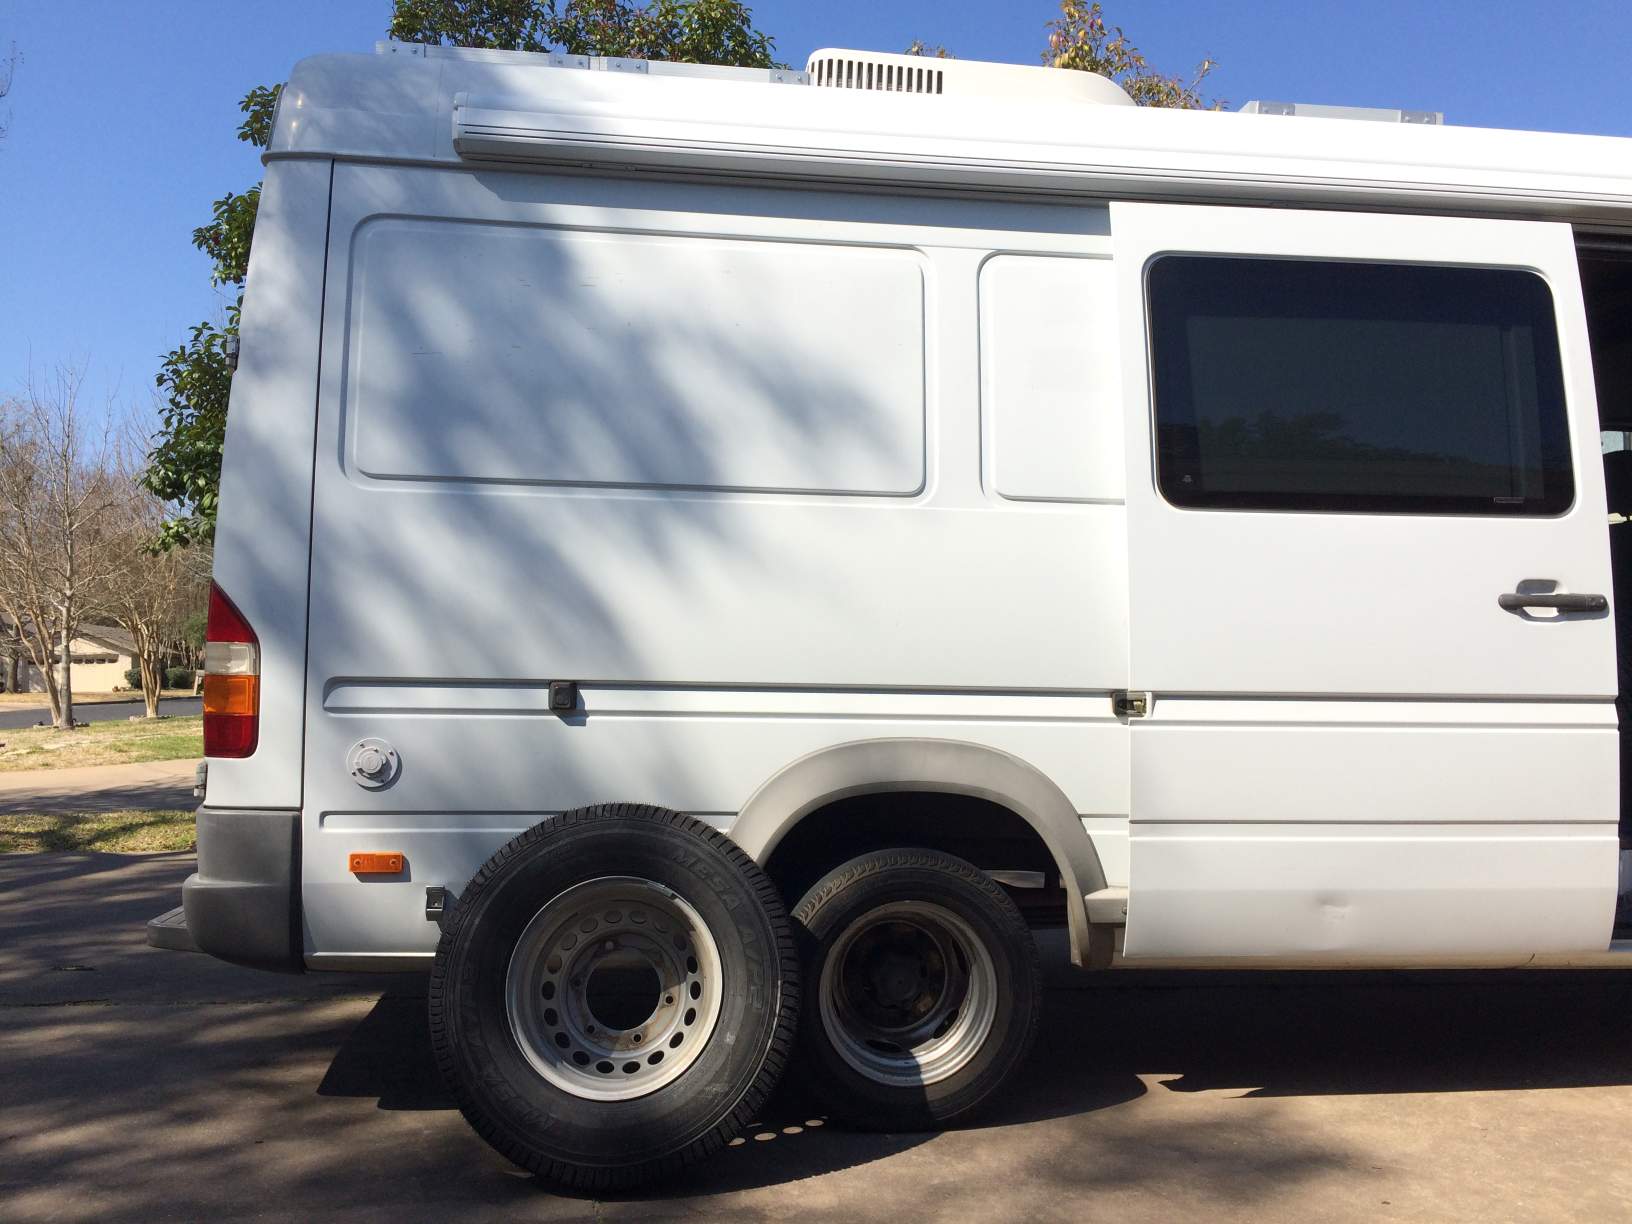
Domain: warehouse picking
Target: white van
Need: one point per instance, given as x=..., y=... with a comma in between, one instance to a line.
x=939, y=495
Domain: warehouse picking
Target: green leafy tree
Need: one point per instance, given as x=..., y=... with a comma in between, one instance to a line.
x=685, y=31
x=194, y=379
x=1079, y=38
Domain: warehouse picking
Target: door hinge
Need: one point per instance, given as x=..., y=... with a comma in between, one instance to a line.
x=1130, y=705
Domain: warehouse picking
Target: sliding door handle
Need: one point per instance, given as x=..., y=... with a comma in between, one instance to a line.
x=1562, y=603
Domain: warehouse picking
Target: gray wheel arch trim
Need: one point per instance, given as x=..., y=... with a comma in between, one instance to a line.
x=953, y=767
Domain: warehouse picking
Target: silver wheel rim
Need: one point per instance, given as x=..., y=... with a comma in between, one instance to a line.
x=908, y=994
x=610, y=944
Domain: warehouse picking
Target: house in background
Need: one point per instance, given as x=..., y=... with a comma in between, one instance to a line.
x=97, y=659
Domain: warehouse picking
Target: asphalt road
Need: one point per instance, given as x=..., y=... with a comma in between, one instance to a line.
x=100, y=711
x=143, y=1085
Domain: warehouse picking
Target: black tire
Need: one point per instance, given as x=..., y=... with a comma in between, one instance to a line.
x=841, y=902
x=604, y=1144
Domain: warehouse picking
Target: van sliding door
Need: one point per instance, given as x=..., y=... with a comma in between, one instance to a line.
x=1368, y=569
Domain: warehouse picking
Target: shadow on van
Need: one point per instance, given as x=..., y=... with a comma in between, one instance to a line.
x=1107, y=1040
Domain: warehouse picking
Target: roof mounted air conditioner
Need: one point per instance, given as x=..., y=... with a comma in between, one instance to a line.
x=835, y=68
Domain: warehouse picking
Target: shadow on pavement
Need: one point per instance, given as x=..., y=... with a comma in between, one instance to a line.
x=1284, y=1034
x=387, y=1057
x=137, y=1084
x=69, y=790
x=1105, y=1041
x=73, y=929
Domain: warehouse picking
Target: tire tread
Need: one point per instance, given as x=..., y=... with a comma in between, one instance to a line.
x=778, y=1053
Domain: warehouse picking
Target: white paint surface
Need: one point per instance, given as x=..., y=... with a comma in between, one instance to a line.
x=1351, y=668
x=531, y=354
x=1049, y=390
x=771, y=470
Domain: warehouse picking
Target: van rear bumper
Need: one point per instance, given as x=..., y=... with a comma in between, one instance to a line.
x=243, y=904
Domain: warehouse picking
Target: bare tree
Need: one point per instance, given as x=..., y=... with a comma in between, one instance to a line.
x=57, y=502
x=150, y=592
x=11, y=657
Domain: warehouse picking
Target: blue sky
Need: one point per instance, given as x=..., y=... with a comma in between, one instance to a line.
x=122, y=116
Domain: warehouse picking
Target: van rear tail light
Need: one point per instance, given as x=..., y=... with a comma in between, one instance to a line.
x=232, y=681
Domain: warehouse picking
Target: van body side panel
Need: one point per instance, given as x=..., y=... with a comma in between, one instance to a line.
x=716, y=455
x=1353, y=750
x=263, y=532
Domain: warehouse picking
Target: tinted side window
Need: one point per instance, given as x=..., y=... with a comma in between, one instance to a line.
x=1286, y=384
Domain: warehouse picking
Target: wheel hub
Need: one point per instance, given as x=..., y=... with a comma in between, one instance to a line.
x=908, y=993
x=900, y=972
x=613, y=988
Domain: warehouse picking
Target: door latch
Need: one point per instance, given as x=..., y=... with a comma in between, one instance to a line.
x=1130, y=705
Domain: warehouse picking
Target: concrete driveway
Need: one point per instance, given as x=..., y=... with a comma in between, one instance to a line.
x=145, y=785
x=142, y=1085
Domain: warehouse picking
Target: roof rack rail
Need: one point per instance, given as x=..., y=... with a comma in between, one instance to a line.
x=1314, y=110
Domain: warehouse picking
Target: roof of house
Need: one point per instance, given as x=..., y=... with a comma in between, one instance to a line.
x=111, y=636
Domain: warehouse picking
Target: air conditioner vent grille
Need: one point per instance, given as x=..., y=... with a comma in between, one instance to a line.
x=844, y=73
x=879, y=72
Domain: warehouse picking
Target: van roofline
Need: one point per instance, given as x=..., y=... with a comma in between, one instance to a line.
x=515, y=109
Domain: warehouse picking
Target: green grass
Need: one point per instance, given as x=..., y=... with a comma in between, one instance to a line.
x=115, y=832
x=116, y=742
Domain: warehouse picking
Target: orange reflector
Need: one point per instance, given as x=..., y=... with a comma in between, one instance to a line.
x=232, y=694
x=374, y=864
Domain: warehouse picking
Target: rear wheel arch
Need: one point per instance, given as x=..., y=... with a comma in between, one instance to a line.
x=951, y=767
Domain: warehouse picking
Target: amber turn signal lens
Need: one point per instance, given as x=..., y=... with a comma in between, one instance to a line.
x=232, y=694
x=374, y=864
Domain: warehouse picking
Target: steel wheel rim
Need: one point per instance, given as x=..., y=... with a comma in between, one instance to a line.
x=889, y=1033
x=583, y=945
